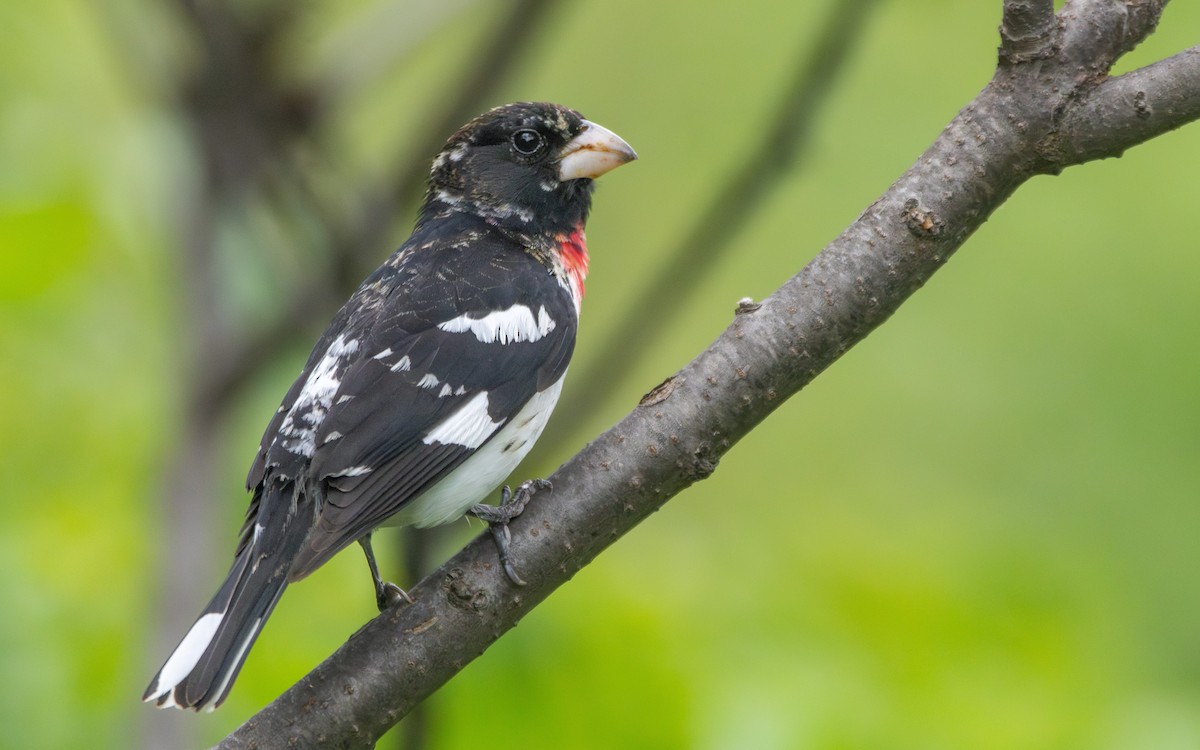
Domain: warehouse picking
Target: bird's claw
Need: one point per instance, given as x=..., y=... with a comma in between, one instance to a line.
x=389, y=595
x=512, y=504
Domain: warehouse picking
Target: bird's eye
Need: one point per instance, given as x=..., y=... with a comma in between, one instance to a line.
x=528, y=142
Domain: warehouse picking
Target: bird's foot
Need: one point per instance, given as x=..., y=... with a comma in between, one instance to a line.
x=388, y=594
x=512, y=504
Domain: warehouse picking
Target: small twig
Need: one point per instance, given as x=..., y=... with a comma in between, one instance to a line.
x=1027, y=30
x=1131, y=108
x=1098, y=32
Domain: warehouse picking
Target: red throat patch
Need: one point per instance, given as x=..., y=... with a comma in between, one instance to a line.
x=574, y=255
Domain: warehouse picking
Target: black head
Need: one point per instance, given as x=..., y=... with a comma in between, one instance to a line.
x=528, y=166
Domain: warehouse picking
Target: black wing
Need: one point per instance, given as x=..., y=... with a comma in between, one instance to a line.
x=408, y=353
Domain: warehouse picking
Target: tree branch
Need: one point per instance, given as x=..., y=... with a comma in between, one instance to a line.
x=683, y=427
x=1132, y=108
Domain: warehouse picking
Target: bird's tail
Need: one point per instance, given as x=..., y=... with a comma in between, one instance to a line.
x=201, y=670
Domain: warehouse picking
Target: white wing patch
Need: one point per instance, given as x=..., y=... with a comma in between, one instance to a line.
x=515, y=324
x=313, y=402
x=469, y=426
x=485, y=468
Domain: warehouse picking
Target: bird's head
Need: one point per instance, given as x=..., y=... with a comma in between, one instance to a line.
x=524, y=166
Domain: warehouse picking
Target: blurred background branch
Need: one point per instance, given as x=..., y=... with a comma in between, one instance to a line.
x=251, y=122
x=732, y=206
x=355, y=243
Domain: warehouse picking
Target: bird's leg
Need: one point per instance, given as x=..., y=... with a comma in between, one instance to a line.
x=387, y=594
x=512, y=504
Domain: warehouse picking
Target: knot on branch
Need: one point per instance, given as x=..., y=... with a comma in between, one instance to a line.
x=460, y=594
x=1141, y=107
x=921, y=221
x=702, y=464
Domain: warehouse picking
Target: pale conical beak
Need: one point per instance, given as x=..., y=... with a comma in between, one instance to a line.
x=593, y=152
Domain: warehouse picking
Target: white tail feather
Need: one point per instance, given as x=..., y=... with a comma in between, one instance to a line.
x=184, y=659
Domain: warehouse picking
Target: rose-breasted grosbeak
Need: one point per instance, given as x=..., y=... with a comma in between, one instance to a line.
x=429, y=386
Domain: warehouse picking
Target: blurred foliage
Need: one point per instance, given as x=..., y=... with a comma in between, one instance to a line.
x=977, y=530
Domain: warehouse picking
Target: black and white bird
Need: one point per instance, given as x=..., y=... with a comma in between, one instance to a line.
x=430, y=385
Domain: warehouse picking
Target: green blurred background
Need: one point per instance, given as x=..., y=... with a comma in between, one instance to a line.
x=978, y=530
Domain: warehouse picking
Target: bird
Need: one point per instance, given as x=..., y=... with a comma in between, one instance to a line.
x=428, y=387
